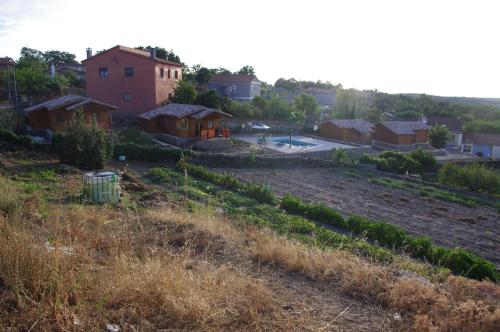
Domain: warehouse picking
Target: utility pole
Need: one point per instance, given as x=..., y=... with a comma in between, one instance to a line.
x=8, y=82
x=15, y=85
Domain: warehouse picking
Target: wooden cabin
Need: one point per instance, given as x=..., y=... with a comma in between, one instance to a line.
x=349, y=130
x=183, y=120
x=54, y=114
x=401, y=132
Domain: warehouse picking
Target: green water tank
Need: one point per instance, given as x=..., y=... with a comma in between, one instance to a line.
x=102, y=187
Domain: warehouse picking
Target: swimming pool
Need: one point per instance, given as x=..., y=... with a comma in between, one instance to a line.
x=300, y=143
x=295, y=142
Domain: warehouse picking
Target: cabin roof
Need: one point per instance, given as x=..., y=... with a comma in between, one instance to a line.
x=182, y=111
x=360, y=125
x=69, y=102
x=405, y=127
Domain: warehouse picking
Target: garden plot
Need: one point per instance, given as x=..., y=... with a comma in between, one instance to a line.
x=448, y=224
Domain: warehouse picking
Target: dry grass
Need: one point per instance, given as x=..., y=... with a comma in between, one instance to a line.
x=459, y=304
x=168, y=269
x=93, y=272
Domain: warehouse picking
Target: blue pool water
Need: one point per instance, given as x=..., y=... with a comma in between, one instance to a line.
x=294, y=142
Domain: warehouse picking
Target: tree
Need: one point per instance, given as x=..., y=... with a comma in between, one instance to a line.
x=203, y=75
x=184, y=93
x=438, y=136
x=162, y=53
x=31, y=53
x=242, y=110
x=82, y=144
x=246, y=70
x=210, y=98
x=277, y=108
x=222, y=71
x=58, y=58
x=31, y=77
x=307, y=104
x=259, y=102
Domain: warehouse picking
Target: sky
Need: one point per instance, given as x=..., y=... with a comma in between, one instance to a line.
x=440, y=47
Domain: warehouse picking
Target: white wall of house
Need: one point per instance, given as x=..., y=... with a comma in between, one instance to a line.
x=457, y=139
x=495, y=152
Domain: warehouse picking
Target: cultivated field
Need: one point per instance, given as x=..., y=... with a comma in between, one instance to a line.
x=447, y=223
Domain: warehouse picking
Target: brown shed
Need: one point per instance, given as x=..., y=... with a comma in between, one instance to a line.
x=55, y=113
x=183, y=120
x=401, y=132
x=350, y=130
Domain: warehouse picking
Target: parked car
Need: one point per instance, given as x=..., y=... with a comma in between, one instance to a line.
x=258, y=125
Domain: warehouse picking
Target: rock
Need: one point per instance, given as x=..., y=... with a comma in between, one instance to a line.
x=287, y=307
x=112, y=328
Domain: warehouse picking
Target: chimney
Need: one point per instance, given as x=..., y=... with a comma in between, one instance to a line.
x=89, y=52
x=152, y=53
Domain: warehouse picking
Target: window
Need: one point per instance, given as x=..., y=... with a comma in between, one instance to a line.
x=126, y=96
x=168, y=73
x=129, y=71
x=161, y=123
x=182, y=124
x=210, y=124
x=103, y=72
x=161, y=72
x=176, y=75
x=60, y=118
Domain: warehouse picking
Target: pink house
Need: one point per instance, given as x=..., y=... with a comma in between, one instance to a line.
x=135, y=81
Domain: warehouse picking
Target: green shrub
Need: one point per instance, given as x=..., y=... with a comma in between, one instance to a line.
x=9, y=140
x=438, y=136
x=318, y=212
x=8, y=119
x=367, y=159
x=260, y=193
x=83, y=145
x=159, y=174
x=425, y=159
x=416, y=162
x=134, y=135
x=474, y=177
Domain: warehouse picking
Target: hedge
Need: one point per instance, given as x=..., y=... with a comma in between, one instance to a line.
x=416, y=162
x=474, y=177
x=9, y=140
x=459, y=261
x=149, y=153
x=260, y=193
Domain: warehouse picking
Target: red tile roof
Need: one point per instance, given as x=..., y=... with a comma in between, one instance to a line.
x=140, y=53
x=230, y=78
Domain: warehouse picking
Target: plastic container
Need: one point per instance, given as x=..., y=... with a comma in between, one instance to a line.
x=102, y=187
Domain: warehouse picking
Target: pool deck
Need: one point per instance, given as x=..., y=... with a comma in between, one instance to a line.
x=321, y=145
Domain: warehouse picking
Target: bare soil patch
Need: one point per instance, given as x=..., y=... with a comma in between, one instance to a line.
x=448, y=224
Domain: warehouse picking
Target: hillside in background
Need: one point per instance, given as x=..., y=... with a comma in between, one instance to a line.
x=472, y=101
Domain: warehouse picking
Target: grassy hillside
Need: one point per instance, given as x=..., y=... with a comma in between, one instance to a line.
x=168, y=258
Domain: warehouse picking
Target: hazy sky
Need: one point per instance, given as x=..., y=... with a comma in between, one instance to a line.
x=437, y=47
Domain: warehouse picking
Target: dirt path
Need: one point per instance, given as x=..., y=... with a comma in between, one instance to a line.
x=448, y=224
